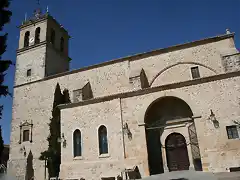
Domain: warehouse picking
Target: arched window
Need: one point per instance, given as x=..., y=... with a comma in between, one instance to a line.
x=37, y=35
x=103, y=141
x=61, y=44
x=26, y=39
x=77, y=145
x=52, y=37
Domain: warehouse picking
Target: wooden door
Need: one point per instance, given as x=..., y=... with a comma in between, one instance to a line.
x=177, y=153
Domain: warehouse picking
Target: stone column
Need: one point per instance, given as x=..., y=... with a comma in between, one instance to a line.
x=164, y=158
x=189, y=149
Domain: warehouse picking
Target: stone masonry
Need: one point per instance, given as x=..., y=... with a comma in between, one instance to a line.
x=119, y=98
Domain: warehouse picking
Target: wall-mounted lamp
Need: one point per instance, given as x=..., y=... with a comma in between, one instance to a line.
x=62, y=140
x=127, y=131
x=237, y=122
x=212, y=118
x=23, y=150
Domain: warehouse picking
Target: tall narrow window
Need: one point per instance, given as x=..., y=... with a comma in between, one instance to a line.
x=62, y=44
x=232, y=132
x=37, y=35
x=77, y=146
x=195, y=72
x=26, y=39
x=25, y=135
x=52, y=38
x=103, y=141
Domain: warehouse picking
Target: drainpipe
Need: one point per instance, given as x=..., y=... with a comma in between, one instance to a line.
x=124, y=150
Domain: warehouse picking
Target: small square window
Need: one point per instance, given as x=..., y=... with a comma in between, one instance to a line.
x=195, y=72
x=29, y=72
x=232, y=132
x=25, y=135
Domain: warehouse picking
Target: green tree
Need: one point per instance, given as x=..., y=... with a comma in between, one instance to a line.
x=4, y=64
x=5, y=15
x=66, y=96
x=53, y=153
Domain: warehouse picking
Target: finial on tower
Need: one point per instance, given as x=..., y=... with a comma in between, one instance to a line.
x=37, y=13
x=228, y=31
x=47, y=9
x=25, y=18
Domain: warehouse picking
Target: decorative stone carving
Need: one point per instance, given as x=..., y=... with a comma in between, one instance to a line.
x=25, y=126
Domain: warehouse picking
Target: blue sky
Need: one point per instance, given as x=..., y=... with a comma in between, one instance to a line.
x=102, y=30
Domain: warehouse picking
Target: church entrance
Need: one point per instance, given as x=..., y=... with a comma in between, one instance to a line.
x=176, y=152
x=159, y=113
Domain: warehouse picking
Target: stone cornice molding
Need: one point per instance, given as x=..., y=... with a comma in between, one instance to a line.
x=139, y=56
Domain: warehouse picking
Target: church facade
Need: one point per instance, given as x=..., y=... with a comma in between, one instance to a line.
x=170, y=109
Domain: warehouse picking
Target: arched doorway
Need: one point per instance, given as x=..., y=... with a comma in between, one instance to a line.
x=176, y=152
x=162, y=110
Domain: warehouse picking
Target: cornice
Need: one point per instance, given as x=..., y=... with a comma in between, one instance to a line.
x=138, y=56
x=151, y=90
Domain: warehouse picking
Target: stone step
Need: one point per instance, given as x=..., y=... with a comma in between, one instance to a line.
x=194, y=175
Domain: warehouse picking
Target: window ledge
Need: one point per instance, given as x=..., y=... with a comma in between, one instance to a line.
x=234, y=139
x=104, y=156
x=78, y=158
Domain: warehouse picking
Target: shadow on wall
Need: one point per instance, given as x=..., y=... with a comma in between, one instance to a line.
x=29, y=167
x=135, y=174
x=132, y=173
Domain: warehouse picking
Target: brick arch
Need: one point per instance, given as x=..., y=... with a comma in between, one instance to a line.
x=168, y=67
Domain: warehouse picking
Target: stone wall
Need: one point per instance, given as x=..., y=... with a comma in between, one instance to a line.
x=33, y=102
x=43, y=58
x=231, y=62
x=31, y=29
x=34, y=60
x=218, y=153
x=51, y=66
x=175, y=66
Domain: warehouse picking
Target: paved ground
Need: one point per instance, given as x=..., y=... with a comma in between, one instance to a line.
x=177, y=175
x=194, y=175
x=228, y=176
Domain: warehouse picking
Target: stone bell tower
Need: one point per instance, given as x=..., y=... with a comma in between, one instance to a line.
x=43, y=49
